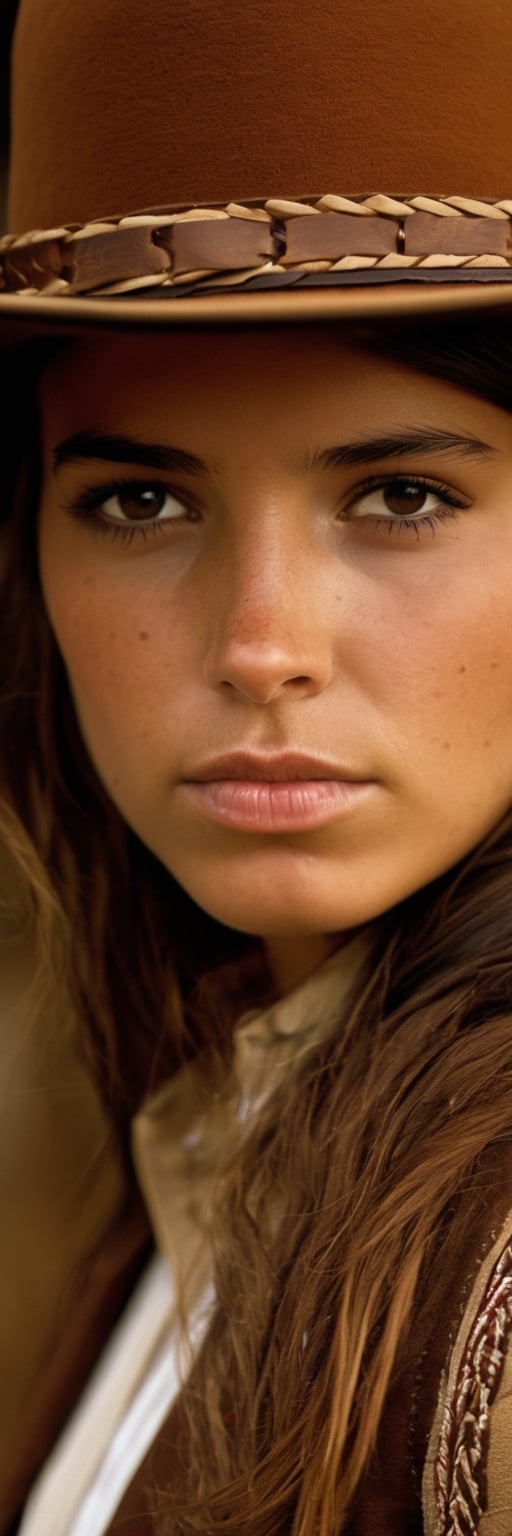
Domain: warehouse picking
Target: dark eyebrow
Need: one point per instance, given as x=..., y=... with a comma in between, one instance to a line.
x=410, y=440
x=119, y=448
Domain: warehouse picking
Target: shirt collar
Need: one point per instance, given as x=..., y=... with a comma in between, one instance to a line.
x=179, y=1134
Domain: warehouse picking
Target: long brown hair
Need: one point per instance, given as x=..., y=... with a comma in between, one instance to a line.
x=375, y=1143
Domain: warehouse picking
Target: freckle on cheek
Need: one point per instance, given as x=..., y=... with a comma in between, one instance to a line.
x=462, y=669
x=143, y=634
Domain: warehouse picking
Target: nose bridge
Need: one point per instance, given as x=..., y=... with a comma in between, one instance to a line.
x=265, y=632
x=269, y=561
x=266, y=559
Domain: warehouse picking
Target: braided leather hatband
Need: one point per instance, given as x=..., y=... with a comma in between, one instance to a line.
x=231, y=245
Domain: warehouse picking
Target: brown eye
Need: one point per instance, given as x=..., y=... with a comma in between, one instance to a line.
x=395, y=501
x=404, y=497
x=142, y=504
x=402, y=502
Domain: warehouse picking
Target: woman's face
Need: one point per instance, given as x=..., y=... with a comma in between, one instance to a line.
x=312, y=570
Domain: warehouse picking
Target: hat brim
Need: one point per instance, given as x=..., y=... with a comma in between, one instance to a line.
x=277, y=262
x=28, y=317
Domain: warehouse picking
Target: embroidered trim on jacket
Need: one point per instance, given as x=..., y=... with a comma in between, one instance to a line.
x=460, y=1465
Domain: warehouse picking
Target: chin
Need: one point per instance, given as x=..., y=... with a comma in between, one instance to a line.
x=271, y=918
x=282, y=891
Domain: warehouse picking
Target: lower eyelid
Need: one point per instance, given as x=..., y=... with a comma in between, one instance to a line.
x=447, y=499
x=89, y=506
x=438, y=507
x=135, y=522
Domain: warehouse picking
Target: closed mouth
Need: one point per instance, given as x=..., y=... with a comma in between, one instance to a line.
x=282, y=768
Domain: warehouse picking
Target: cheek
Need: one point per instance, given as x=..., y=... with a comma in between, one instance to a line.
x=470, y=671
x=91, y=632
x=434, y=669
x=123, y=663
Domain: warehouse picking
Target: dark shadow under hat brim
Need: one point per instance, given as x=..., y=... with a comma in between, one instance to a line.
x=384, y=296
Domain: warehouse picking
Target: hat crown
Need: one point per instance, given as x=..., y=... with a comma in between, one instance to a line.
x=120, y=106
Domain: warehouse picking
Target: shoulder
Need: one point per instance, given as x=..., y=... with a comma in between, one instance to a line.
x=467, y=1479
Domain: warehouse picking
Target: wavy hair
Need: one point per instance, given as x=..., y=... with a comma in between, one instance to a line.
x=378, y=1144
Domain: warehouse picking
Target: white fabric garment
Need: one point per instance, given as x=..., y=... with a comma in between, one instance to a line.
x=115, y=1421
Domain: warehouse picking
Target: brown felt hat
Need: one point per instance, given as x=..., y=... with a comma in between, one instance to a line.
x=191, y=161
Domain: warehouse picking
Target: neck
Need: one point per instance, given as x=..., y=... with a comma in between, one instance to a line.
x=292, y=957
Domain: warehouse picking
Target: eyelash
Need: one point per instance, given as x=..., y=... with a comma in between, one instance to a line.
x=85, y=507
x=449, y=503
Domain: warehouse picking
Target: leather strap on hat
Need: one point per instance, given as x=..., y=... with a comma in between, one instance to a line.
x=230, y=245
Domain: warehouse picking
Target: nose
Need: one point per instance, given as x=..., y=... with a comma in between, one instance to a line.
x=268, y=634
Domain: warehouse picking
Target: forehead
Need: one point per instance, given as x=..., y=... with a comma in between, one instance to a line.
x=209, y=352
x=277, y=381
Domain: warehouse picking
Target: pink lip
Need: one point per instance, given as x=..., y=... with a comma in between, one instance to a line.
x=268, y=768
x=281, y=793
